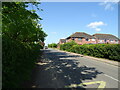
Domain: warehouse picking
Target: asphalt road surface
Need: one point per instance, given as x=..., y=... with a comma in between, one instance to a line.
x=64, y=70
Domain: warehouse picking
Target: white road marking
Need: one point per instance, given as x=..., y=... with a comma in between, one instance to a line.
x=104, y=63
x=100, y=87
x=112, y=78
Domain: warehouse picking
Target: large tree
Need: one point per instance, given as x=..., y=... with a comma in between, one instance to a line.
x=21, y=24
x=20, y=29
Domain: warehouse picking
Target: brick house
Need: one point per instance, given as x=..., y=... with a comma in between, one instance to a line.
x=62, y=41
x=81, y=38
x=84, y=38
x=106, y=38
x=42, y=43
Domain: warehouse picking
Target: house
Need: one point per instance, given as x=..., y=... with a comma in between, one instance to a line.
x=106, y=38
x=42, y=43
x=62, y=41
x=84, y=38
x=81, y=38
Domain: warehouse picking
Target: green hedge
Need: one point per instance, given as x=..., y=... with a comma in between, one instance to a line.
x=18, y=59
x=109, y=51
x=68, y=46
x=52, y=45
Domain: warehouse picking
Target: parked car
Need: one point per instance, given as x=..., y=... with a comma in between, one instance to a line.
x=46, y=47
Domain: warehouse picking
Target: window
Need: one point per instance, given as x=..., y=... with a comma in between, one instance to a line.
x=73, y=38
x=116, y=41
x=101, y=40
x=93, y=39
x=87, y=39
x=111, y=40
x=105, y=40
x=79, y=38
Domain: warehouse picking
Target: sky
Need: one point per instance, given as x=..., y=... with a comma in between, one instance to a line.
x=61, y=19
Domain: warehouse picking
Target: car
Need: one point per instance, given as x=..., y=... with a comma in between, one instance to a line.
x=46, y=47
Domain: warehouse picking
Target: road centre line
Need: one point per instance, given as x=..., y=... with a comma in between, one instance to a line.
x=111, y=77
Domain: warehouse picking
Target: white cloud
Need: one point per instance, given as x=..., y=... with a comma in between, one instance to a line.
x=96, y=25
x=109, y=4
x=62, y=38
x=109, y=7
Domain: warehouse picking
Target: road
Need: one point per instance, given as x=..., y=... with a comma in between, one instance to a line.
x=63, y=70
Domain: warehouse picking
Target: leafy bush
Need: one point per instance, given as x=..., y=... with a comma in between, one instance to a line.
x=53, y=45
x=18, y=61
x=109, y=51
x=67, y=46
x=20, y=31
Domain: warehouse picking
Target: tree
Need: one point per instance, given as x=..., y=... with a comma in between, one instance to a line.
x=21, y=24
x=20, y=31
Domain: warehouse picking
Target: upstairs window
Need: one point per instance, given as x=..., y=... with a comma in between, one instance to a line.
x=87, y=39
x=93, y=39
x=111, y=40
x=79, y=38
x=73, y=38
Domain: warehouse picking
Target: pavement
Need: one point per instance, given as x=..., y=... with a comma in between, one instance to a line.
x=59, y=69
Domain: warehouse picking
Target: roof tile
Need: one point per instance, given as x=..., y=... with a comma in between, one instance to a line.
x=105, y=36
x=81, y=34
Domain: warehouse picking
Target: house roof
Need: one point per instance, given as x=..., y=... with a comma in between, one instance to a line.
x=63, y=40
x=80, y=34
x=105, y=36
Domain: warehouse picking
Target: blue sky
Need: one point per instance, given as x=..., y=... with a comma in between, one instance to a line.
x=61, y=19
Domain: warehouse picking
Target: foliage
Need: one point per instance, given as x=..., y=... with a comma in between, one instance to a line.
x=52, y=45
x=20, y=30
x=21, y=24
x=109, y=51
x=67, y=46
x=18, y=60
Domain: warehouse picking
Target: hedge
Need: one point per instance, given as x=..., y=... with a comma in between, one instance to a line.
x=18, y=59
x=67, y=46
x=52, y=45
x=108, y=51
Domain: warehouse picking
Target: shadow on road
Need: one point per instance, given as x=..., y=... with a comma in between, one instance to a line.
x=60, y=69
